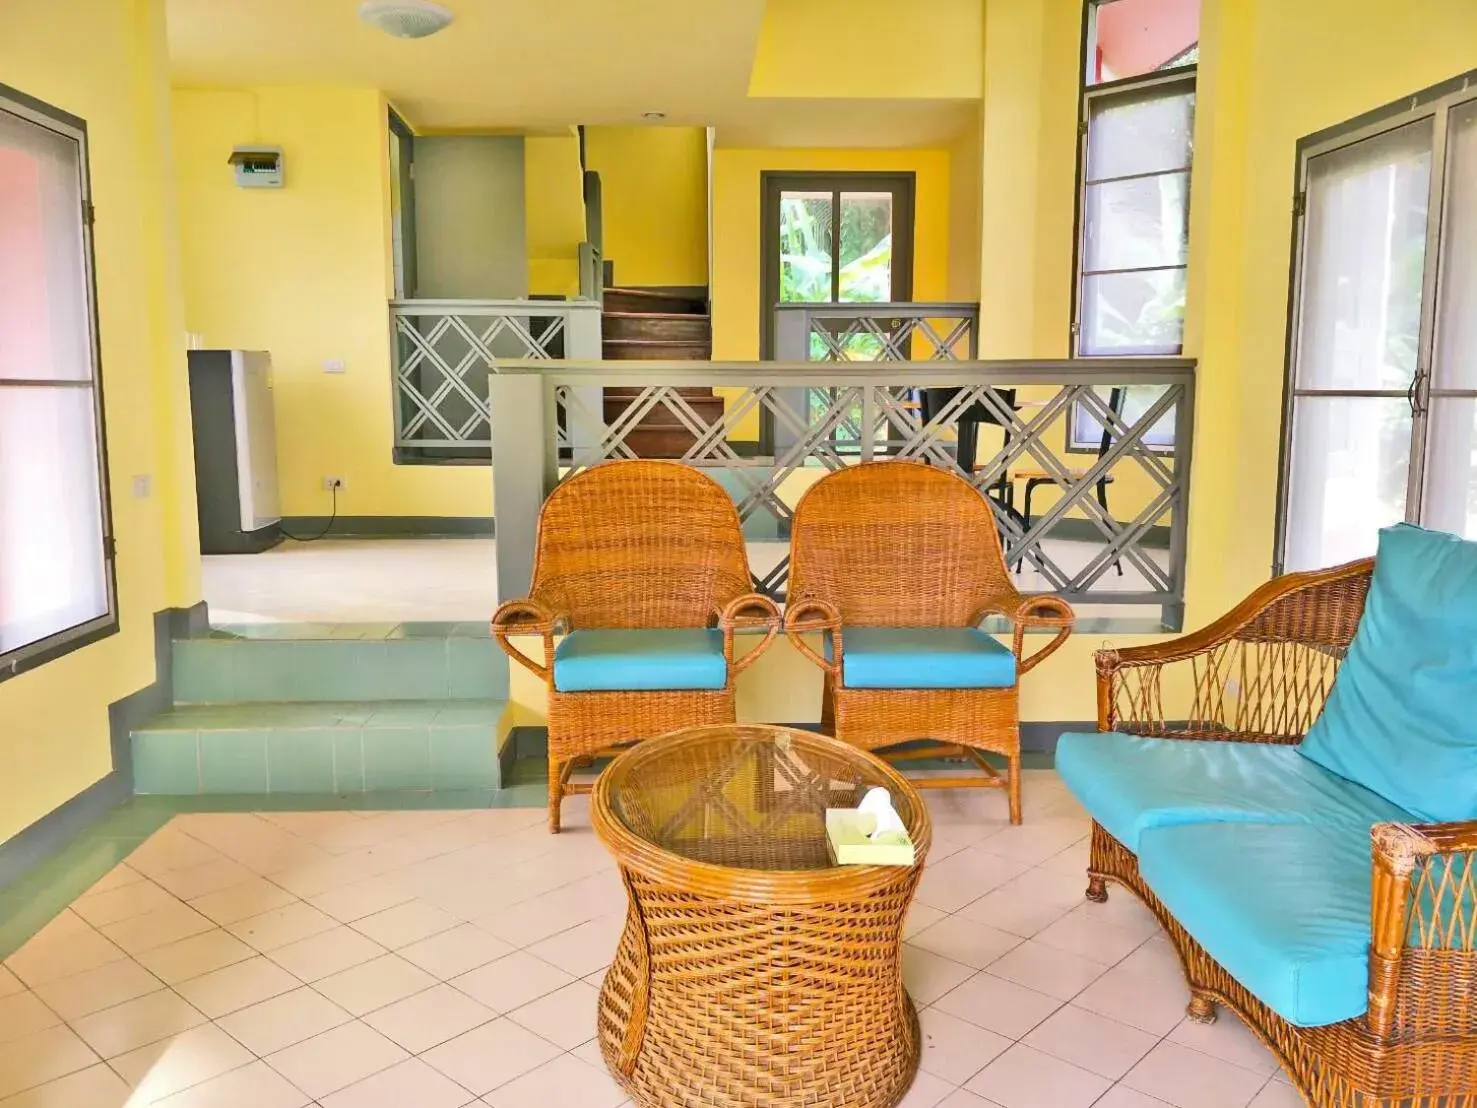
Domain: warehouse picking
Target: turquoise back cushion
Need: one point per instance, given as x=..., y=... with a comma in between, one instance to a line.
x=1402, y=717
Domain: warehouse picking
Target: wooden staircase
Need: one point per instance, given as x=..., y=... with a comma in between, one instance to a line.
x=650, y=324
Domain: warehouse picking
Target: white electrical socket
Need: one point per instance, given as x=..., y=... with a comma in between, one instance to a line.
x=335, y=365
x=331, y=483
x=143, y=486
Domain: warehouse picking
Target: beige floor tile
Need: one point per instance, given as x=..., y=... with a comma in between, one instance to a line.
x=326, y=953
x=965, y=877
x=1188, y=1079
x=109, y=984
x=170, y=849
x=1091, y=938
x=10, y=983
x=491, y=1055
x=955, y=1049
x=1121, y=1096
x=1276, y=1094
x=95, y=1087
x=1026, y=1078
x=283, y=1021
x=998, y=1005
x=410, y=1083
x=204, y=879
x=136, y=1023
x=565, y=1080
x=1038, y=839
x=566, y=1017
x=429, y=1018
x=246, y=898
x=363, y=898
x=24, y=1014
x=40, y=1057
x=964, y=941
x=1229, y=1040
x=512, y=981
x=1091, y=1041
x=158, y=927
x=120, y=875
x=530, y=921
x=252, y=1086
x=1047, y=970
x=281, y=926
x=64, y=947
x=336, y=1059
x=405, y=923
x=584, y=949
x=929, y=976
x=919, y=917
x=197, y=955
x=928, y=1091
x=455, y=952
x=374, y=984
x=1148, y=1001
x=238, y=986
x=113, y=905
x=172, y=1065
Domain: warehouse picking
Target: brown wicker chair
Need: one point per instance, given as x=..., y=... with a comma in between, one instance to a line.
x=634, y=545
x=1416, y=1047
x=900, y=544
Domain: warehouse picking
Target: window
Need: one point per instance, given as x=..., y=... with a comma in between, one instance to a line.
x=1137, y=126
x=1381, y=418
x=836, y=238
x=56, y=573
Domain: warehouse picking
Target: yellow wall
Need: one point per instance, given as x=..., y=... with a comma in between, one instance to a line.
x=305, y=272
x=654, y=202
x=736, y=264
x=965, y=197
x=554, y=212
x=105, y=61
x=924, y=48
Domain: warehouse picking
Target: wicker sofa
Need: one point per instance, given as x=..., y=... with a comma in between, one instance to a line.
x=1248, y=823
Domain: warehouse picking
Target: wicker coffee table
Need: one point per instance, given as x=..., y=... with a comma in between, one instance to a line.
x=753, y=973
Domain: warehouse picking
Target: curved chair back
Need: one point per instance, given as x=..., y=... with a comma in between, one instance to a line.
x=896, y=544
x=639, y=543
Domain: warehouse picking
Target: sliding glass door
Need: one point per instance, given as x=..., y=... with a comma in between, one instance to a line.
x=1382, y=415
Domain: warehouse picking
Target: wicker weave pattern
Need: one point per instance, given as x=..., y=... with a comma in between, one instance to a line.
x=633, y=544
x=752, y=973
x=1416, y=1047
x=933, y=559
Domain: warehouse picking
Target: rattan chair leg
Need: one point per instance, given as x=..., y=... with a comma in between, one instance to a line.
x=1015, y=788
x=1097, y=889
x=1202, y=1008
x=556, y=791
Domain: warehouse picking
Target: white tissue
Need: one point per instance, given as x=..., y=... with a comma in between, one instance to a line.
x=878, y=803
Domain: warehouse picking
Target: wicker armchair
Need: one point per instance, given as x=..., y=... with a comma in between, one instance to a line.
x=646, y=546
x=1261, y=675
x=898, y=544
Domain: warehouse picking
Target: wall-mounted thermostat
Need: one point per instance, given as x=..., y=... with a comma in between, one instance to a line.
x=257, y=167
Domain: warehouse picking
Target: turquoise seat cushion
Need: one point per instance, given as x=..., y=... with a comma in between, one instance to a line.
x=1129, y=784
x=636, y=660
x=1284, y=909
x=922, y=658
x=1402, y=716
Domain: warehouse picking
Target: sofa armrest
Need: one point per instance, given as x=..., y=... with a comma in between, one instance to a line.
x=1257, y=674
x=1423, y=915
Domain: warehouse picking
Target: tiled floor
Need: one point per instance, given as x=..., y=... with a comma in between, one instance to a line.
x=439, y=959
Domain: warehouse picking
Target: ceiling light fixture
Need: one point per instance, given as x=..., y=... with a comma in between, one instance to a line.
x=653, y=117
x=405, y=18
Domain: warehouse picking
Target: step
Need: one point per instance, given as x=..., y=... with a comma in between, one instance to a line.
x=621, y=299
x=656, y=325
x=322, y=747
x=431, y=661
x=626, y=350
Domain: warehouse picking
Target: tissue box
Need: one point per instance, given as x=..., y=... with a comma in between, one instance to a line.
x=846, y=836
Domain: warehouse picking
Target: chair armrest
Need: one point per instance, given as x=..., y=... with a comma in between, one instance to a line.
x=1026, y=612
x=1423, y=915
x=750, y=610
x=529, y=617
x=808, y=616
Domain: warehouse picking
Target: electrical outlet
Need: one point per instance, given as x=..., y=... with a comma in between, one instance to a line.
x=335, y=365
x=332, y=483
x=143, y=486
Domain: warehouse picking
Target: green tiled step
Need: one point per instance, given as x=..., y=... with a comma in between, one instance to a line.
x=322, y=747
x=225, y=669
